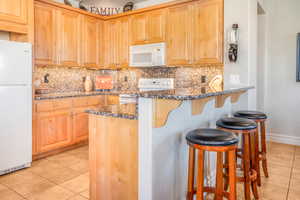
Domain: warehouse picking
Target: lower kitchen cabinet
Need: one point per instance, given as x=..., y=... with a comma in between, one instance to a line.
x=54, y=130
x=80, y=126
x=61, y=124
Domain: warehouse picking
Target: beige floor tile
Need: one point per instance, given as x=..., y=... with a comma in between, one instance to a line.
x=275, y=169
x=277, y=180
x=61, y=175
x=85, y=194
x=27, y=188
x=77, y=197
x=7, y=194
x=64, y=160
x=21, y=177
x=294, y=195
x=295, y=184
x=297, y=163
x=281, y=161
x=82, y=166
x=78, y=184
x=296, y=173
x=84, y=149
x=54, y=193
x=273, y=192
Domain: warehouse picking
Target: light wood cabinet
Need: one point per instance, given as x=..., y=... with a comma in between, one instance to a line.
x=148, y=27
x=80, y=126
x=92, y=40
x=54, y=130
x=195, y=33
x=208, y=28
x=69, y=38
x=45, y=35
x=179, y=35
x=117, y=43
x=14, y=15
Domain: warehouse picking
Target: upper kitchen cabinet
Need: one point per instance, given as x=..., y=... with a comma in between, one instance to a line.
x=45, y=35
x=14, y=15
x=208, y=29
x=195, y=33
x=148, y=27
x=69, y=38
x=179, y=35
x=117, y=43
x=92, y=41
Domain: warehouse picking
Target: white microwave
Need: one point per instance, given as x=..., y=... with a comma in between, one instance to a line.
x=148, y=55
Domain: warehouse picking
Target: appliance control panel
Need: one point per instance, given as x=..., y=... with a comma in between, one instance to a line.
x=156, y=83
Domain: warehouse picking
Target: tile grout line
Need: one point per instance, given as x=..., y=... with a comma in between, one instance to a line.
x=291, y=174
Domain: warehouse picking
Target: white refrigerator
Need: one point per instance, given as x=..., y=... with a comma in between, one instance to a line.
x=15, y=106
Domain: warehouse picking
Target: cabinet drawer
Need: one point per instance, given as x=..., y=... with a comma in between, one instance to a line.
x=62, y=104
x=92, y=101
x=80, y=102
x=111, y=100
x=44, y=106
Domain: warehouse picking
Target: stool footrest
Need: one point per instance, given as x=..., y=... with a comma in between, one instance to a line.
x=211, y=190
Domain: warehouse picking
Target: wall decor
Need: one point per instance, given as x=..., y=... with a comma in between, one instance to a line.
x=128, y=7
x=233, y=43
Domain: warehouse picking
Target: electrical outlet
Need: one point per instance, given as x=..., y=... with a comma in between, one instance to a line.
x=203, y=79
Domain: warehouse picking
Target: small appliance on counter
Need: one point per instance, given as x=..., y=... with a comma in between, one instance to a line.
x=103, y=82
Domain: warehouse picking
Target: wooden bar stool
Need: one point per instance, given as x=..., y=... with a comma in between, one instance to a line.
x=261, y=152
x=213, y=140
x=247, y=128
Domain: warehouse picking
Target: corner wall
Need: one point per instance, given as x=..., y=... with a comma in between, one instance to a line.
x=283, y=92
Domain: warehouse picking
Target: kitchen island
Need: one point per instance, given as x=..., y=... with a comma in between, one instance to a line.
x=142, y=154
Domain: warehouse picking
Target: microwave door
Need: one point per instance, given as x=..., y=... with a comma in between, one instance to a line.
x=142, y=59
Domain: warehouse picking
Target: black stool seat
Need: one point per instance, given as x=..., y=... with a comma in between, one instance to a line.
x=236, y=123
x=249, y=114
x=211, y=137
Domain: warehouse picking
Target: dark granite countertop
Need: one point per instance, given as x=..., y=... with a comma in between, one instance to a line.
x=60, y=95
x=126, y=111
x=192, y=93
x=176, y=94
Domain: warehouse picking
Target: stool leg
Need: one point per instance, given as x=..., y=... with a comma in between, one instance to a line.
x=257, y=162
x=200, y=178
x=191, y=173
x=219, y=178
x=246, y=162
x=232, y=174
x=253, y=163
x=226, y=178
x=264, y=148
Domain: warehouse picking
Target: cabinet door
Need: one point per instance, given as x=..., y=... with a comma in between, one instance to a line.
x=208, y=32
x=14, y=11
x=139, y=29
x=101, y=53
x=69, y=38
x=156, y=26
x=54, y=130
x=45, y=32
x=111, y=43
x=80, y=127
x=90, y=42
x=123, y=46
x=179, y=35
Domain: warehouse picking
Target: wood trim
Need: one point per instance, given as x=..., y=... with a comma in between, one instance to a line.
x=199, y=104
x=161, y=110
x=236, y=96
x=155, y=7
x=13, y=27
x=220, y=100
x=63, y=6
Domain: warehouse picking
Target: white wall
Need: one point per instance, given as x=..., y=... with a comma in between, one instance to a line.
x=283, y=92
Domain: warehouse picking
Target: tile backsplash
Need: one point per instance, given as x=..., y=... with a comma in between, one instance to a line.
x=63, y=79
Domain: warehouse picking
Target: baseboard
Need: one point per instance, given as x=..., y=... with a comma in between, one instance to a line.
x=292, y=140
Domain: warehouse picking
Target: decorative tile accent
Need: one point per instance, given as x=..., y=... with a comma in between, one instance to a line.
x=62, y=79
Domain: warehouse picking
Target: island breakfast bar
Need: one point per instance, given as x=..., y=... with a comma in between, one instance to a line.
x=139, y=152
